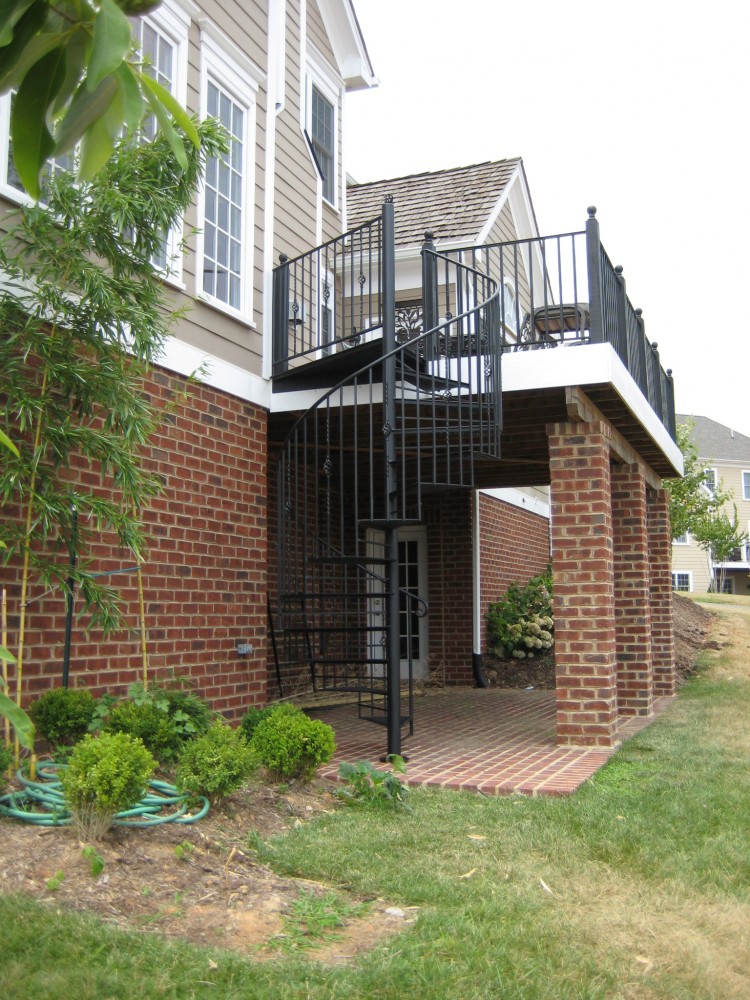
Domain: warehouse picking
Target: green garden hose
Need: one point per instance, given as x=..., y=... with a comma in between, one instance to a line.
x=41, y=802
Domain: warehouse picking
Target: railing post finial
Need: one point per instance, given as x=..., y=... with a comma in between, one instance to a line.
x=592, y=211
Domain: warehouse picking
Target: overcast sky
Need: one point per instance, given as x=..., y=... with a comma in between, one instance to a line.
x=640, y=108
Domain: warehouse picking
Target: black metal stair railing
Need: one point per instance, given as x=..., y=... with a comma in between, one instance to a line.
x=355, y=467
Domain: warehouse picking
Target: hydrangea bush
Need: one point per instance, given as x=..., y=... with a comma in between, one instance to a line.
x=521, y=624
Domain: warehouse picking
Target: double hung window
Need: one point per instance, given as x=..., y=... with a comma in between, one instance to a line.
x=230, y=83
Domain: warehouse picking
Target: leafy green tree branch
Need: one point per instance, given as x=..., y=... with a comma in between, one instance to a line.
x=78, y=79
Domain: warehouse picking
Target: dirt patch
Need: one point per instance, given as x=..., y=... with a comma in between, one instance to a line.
x=196, y=882
x=693, y=626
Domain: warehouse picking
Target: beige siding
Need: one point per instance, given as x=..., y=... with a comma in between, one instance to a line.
x=208, y=327
x=318, y=39
x=297, y=212
x=296, y=184
x=691, y=558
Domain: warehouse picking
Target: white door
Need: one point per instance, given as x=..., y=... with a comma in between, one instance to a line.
x=412, y=578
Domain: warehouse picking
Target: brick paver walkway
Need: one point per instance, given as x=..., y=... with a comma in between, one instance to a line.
x=493, y=741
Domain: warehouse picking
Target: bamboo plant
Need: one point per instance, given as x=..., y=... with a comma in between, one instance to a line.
x=84, y=313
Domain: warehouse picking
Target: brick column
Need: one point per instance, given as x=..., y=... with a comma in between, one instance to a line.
x=662, y=626
x=632, y=591
x=584, y=602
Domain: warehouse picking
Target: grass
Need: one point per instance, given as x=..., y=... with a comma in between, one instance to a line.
x=637, y=886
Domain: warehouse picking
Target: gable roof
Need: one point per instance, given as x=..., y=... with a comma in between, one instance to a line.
x=716, y=442
x=453, y=204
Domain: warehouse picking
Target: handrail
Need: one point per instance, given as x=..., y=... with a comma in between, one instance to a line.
x=408, y=344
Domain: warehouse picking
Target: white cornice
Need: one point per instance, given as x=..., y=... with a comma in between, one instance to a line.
x=347, y=43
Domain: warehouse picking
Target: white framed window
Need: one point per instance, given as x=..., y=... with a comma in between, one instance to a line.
x=682, y=539
x=322, y=102
x=162, y=40
x=746, y=485
x=229, y=84
x=510, y=314
x=682, y=582
x=710, y=479
x=10, y=183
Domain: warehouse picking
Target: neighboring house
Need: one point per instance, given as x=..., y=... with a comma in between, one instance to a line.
x=392, y=426
x=726, y=456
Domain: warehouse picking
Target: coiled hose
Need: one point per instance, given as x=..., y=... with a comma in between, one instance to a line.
x=41, y=802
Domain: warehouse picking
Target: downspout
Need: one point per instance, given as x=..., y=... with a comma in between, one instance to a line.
x=480, y=680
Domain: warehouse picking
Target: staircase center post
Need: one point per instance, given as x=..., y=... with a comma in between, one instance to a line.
x=393, y=643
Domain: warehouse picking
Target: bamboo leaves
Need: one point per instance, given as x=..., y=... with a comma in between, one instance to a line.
x=83, y=313
x=78, y=79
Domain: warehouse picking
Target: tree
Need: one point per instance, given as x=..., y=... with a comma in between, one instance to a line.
x=691, y=502
x=76, y=79
x=83, y=314
x=720, y=536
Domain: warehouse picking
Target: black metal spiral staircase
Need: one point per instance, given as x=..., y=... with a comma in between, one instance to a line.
x=407, y=416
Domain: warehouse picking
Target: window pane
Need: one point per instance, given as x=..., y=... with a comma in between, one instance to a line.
x=224, y=202
x=321, y=128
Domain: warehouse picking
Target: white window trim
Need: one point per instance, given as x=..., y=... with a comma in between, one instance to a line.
x=331, y=87
x=745, y=494
x=172, y=19
x=689, y=575
x=225, y=62
x=682, y=539
x=712, y=489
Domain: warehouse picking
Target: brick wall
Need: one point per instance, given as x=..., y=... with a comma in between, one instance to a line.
x=204, y=576
x=514, y=544
x=584, y=601
x=662, y=625
x=448, y=517
x=632, y=591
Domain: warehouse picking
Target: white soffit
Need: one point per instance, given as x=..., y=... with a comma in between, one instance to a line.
x=589, y=364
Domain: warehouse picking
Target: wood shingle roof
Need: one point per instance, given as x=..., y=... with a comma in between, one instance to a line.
x=453, y=204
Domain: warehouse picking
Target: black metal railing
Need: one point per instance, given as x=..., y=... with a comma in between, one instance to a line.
x=329, y=298
x=554, y=291
x=356, y=466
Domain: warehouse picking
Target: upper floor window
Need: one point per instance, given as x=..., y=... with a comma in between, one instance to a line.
x=321, y=126
x=162, y=38
x=710, y=479
x=510, y=313
x=225, y=244
x=321, y=134
x=681, y=539
x=162, y=43
x=10, y=182
x=746, y=485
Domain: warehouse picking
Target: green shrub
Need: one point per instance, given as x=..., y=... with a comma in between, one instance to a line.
x=216, y=763
x=6, y=759
x=521, y=625
x=63, y=715
x=189, y=712
x=253, y=716
x=365, y=784
x=105, y=775
x=290, y=745
x=148, y=723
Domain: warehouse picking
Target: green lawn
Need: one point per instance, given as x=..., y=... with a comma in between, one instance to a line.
x=637, y=886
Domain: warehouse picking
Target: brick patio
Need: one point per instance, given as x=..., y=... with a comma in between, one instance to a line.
x=493, y=741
